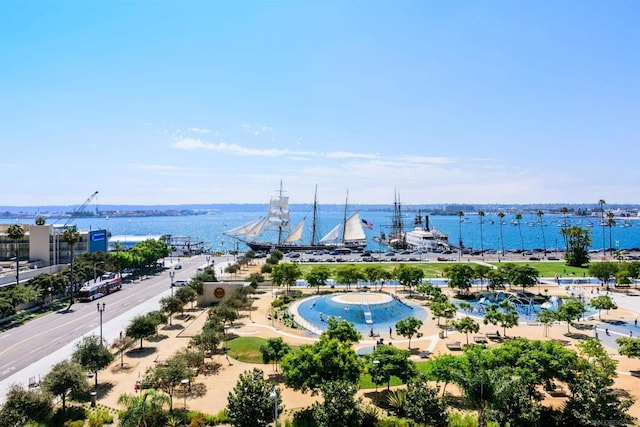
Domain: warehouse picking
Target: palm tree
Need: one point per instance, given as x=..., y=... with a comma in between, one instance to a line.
x=143, y=410
x=460, y=215
x=519, y=219
x=564, y=210
x=71, y=236
x=481, y=215
x=611, y=222
x=602, y=203
x=544, y=242
x=501, y=216
x=15, y=233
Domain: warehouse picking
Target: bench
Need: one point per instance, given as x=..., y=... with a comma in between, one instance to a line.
x=480, y=339
x=455, y=345
x=493, y=335
x=425, y=354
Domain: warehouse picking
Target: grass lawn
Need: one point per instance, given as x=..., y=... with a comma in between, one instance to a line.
x=366, y=383
x=247, y=349
x=433, y=269
x=552, y=268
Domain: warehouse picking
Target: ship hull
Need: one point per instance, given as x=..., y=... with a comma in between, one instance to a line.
x=283, y=247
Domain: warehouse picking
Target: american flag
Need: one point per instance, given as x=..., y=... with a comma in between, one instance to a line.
x=367, y=224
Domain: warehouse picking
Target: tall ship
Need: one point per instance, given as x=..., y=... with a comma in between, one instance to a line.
x=396, y=239
x=348, y=234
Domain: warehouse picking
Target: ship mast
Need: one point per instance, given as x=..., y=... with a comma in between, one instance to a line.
x=315, y=216
x=344, y=222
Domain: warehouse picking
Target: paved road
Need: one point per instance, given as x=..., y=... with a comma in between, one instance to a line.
x=31, y=349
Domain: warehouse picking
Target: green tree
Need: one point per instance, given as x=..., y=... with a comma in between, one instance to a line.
x=443, y=309
x=466, y=325
x=546, y=318
x=444, y=369
x=274, y=350
x=141, y=327
x=348, y=274
x=312, y=365
x=522, y=275
x=146, y=410
x=578, y=241
x=249, y=403
x=629, y=347
x=171, y=305
x=497, y=279
x=66, y=378
x=408, y=276
x=601, y=203
x=186, y=294
x=387, y=361
x=569, y=311
x=481, y=272
x=339, y=407
x=503, y=314
x=92, y=355
x=519, y=221
x=22, y=407
x=341, y=330
x=15, y=233
x=611, y=222
x=408, y=327
x=460, y=244
x=460, y=277
x=285, y=274
x=481, y=215
x=592, y=399
x=540, y=214
x=501, y=215
x=168, y=377
x=423, y=404
x=318, y=276
x=603, y=271
x=373, y=273
x=602, y=302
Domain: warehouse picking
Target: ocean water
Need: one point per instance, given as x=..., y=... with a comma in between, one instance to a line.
x=209, y=229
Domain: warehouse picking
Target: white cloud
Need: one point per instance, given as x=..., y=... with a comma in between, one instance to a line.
x=142, y=166
x=200, y=130
x=193, y=144
x=256, y=130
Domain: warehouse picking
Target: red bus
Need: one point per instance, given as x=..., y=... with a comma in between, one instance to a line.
x=104, y=287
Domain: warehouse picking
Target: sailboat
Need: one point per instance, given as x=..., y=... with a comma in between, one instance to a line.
x=348, y=234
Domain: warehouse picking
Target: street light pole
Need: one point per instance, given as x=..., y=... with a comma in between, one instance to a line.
x=185, y=382
x=376, y=364
x=274, y=396
x=100, y=310
x=172, y=274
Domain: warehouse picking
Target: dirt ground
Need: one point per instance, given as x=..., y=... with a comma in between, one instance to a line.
x=209, y=392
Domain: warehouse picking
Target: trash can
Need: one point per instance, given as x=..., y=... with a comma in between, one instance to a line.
x=441, y=334
x=93, y=399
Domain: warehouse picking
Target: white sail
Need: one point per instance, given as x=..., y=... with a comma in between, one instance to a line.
x=296, y=234
x=353, y=230
x=244, y=229
x=279, y=211
x=257, y=229
x=332, y=236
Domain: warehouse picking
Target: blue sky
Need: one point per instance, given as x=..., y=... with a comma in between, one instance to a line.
x=171, y=102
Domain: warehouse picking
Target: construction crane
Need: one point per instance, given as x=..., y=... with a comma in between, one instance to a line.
x=77, y=211
x=80, y=209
